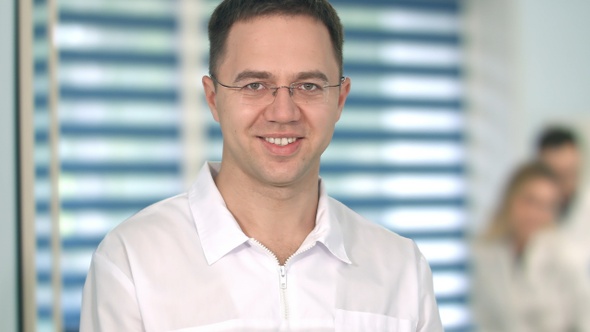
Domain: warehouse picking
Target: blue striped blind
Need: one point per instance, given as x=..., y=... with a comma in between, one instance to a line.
x=120, y=145
x=397, y=156
x=402, y=134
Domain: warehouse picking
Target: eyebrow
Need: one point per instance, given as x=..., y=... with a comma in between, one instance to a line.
x=312, y=74
x=264, y=75
x=250, y=74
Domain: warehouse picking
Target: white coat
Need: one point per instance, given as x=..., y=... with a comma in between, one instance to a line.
x=184, y=264
x=545, y=291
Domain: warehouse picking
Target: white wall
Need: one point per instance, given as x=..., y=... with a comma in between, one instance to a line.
x=492, y=102
x=554, y=37
x=527, y=66
x=8, y=202
x=555, y=62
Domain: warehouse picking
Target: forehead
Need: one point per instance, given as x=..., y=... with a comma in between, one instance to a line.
x=539, y=185
x=279, y=44
x=563, y=154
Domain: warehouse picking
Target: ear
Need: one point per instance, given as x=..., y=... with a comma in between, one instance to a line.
x=344, y=91
x=210, y=94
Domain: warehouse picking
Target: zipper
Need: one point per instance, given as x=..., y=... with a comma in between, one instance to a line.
x=282, y=277
x=282, y=270
x=283, y=291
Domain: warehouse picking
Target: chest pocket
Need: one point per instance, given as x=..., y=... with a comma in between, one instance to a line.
x=352, y=321
x=234, y=325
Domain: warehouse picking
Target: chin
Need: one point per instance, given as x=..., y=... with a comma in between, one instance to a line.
x=280, y=179
x=282, y=175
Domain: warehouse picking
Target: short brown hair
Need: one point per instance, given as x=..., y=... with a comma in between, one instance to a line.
x=556, y=137
x=232, y=11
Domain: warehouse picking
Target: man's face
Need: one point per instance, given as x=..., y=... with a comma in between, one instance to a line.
x=278, y=51
x=564, y=160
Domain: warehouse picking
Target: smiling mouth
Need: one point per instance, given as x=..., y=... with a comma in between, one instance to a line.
x=280, y=141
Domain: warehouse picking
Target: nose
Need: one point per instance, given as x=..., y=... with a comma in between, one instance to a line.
x=283, y=109
x=274, y=94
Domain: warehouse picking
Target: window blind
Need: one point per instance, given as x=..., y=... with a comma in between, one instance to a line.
x=120, y=144
x=397, y=155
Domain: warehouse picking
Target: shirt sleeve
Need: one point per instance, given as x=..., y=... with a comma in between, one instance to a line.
x=429, y=315
x=484, y=317
x=109, y=301
x=579, y=281
x=582, y=303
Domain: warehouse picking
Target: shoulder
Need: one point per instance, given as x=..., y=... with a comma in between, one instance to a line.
x=488, y=259
x=485, y=248
x=558, y=246
x=388, y=266
x=165, y=218
x=156, y=238
x=363, y=237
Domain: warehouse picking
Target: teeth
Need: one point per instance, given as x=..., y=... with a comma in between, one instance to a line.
x=280, y=141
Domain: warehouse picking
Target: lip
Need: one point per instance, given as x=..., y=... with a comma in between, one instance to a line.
x=282, y=151
x=280, y=135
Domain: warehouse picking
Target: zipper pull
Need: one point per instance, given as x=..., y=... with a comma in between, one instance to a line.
x=282, y=277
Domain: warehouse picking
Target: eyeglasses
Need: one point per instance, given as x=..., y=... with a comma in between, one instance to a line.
x=302, y=93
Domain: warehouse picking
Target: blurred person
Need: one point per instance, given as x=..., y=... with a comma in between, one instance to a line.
x=256, y=244
x=557, y=147
x=524, y=277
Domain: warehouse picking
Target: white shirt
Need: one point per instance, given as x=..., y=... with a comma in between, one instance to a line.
x=577, y=227
x=184, y=264
x=544, y=292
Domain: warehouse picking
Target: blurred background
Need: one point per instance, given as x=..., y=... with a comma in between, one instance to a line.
x=447, y=97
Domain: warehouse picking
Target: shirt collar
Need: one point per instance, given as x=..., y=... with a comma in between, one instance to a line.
x=328, y=229
x=218, y=230
x=220, y=233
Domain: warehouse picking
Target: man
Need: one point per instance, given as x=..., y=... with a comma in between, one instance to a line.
x=256, y=244
x=557, y=147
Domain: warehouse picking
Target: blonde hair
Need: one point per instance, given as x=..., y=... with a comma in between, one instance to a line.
x=499, y=227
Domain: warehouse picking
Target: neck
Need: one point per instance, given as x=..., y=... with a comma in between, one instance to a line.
x=280, y=217
x=519, y=246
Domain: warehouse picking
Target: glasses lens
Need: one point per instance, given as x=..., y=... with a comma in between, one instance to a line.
x=259, y=96
x=302, y=94
x=309, y=93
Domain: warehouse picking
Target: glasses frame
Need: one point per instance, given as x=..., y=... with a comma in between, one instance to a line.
x=275, y=89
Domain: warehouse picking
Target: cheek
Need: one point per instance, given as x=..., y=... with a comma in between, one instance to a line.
x=326, y=131
x=548, y=213
x=322, y=119
x=518, y=210
x=525, y=215
x=235, y=118
x=537, y=215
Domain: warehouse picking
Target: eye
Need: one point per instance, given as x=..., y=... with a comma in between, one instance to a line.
x=309, y=87
x=256, y=86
